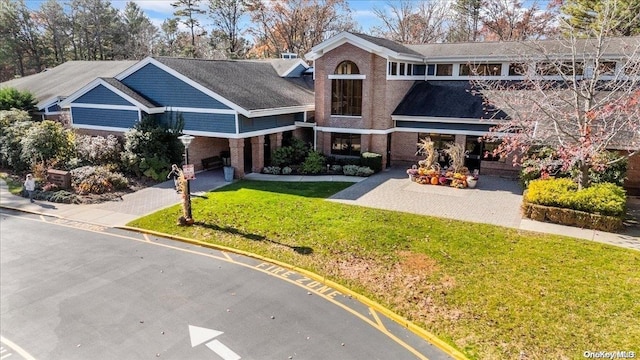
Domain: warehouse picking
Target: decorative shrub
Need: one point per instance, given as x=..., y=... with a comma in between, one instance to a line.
x=609, y=167
x=290, y=155
x=372, y=160
x=336, y=169
x=97, y=180
x=286, y=170
x=275, y=170
x=354, y=170
x=46, y=141
x=14, y=125
x=313, y=164
x=98, y=150
x=152, y=146
x=604, y=199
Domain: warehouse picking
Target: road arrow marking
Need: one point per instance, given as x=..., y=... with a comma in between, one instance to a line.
x=201, y=335
x=222, y=350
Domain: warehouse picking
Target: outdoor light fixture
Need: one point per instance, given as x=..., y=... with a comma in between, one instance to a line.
x=186, y=141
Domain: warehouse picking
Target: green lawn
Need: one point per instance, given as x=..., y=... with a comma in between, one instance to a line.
x=492, y=292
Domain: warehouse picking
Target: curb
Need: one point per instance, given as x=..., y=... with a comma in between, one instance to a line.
x=424, y=334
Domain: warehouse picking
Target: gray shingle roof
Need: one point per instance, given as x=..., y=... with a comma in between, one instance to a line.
x=389, y=44
x=63, y=80
x=129, y=92
x=250, y=84
x=512, y=49
x=449, y=99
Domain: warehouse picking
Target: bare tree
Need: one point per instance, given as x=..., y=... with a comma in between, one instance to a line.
x=579, y=95
x=226, y=16
x=296, y=25
x=509, y=20
x=411, y=22
x=187, y=10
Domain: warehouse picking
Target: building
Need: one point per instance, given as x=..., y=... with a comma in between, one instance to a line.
x=362, y=94
x=377, y=95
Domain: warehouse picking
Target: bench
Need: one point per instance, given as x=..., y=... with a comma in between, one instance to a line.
x=213, y=162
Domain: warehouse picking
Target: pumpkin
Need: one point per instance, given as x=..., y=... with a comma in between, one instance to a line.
x=434, y=180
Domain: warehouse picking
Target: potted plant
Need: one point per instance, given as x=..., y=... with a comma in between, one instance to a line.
x=413, y=172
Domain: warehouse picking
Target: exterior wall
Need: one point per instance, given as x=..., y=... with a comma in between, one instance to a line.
x=223, y=123
x=266, y=122
x=404, y=146
x=379, y=96
x=236, y=147
x=167, y=90
x=102, y=133
x=257, y=153
x=104, y=117
x=101, y=95
x=483, y=127
x=203, y=147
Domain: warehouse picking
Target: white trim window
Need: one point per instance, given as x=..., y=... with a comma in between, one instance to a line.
x=346, y=90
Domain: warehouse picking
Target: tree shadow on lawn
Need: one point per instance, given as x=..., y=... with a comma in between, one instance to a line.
x=319, y=190
x=302, y=250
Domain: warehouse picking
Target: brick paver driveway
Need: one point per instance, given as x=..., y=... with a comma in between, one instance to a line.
x=494, y=201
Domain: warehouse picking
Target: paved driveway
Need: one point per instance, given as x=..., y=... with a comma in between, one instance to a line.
x=494, y=201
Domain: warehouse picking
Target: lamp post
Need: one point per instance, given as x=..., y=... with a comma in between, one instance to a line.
x=186, y=141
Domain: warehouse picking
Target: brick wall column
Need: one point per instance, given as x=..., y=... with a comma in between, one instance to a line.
x=257, y=153
x=461, y=140
x=276, y=140
x=379, y=146
x=236, y=147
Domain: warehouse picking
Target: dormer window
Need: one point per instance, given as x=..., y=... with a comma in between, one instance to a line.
x=346, y=90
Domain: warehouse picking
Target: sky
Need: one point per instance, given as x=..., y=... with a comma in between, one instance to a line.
x=159, y=10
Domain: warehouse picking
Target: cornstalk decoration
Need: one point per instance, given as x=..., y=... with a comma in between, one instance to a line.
x=426, y=146
x=456, y=154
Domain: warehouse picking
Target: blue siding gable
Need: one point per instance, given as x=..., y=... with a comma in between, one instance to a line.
x=102, y=95
x=222, y=123
x=104, y=117
x=265, y=122
x=54, y=108
x=167, y=90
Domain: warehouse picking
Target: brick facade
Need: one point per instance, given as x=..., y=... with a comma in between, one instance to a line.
x=257, y=153
x=236, y=147
x=204, y=147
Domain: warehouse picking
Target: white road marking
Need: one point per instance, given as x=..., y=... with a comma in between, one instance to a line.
x=222, y=350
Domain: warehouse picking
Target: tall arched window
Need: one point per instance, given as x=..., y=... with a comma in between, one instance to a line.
x=346, y=90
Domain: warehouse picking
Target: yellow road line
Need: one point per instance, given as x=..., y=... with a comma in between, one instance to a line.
x=16, y=348
x=375, y=316
x=227, y=256
x=397, y=318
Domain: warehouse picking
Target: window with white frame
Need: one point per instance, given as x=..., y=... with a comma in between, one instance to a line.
x=346, y=93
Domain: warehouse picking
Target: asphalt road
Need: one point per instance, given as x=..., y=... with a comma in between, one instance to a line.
x=71, y=290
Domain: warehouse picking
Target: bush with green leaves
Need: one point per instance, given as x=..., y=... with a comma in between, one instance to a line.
x=98, y=150
x=152, y=146
x=97, y=180
x=608, y=167
x=355, y=170
x=14, y=125
x=274, y=170
x=293, y=154
x=287, y=170
x=45, y=142
x=313, y=164
x=11, y=98
x=371, y=160
x=604, y=199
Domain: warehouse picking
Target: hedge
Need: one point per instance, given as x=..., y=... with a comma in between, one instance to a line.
x=603, y=199
x=372, y=161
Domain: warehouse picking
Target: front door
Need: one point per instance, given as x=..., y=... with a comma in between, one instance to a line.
x=474, y=150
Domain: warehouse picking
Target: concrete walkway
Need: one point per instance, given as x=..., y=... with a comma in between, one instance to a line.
x=116, y=213
x=494, y=201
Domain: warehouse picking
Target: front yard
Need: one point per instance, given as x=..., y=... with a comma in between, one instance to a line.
x=492, y=292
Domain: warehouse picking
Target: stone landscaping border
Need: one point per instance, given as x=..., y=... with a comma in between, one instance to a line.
x=571, y=217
